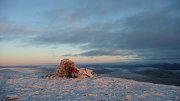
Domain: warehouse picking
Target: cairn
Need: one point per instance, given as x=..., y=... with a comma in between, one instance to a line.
x=67, y=69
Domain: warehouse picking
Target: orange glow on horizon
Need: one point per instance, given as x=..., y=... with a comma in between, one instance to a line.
x=48, y=60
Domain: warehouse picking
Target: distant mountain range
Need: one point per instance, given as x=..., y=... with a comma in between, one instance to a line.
x=167, y=66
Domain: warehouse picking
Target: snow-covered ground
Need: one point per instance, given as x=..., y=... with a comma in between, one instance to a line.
x=28, y=85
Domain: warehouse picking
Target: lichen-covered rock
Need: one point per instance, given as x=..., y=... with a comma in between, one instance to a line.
x=67, y=69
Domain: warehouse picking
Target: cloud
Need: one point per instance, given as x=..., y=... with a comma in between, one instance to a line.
x=103, y=53
x=3, y=27
x=15, y=29
x=15, y=32
x=150, y=28
x=104, y=27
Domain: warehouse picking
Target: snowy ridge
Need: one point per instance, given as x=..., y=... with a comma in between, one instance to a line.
x=31, y=86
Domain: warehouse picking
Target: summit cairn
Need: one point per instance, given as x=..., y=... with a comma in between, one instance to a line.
x=67, y=69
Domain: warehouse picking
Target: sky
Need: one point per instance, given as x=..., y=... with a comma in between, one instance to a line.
x=89, y=31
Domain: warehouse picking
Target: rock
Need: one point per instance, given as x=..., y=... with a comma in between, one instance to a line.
x=12, y=97
x=128, y=98
x=85, y=73
x=50, y=76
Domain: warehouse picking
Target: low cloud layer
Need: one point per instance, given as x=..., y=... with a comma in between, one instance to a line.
x=102, y=53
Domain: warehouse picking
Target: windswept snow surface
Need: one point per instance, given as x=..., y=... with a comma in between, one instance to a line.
x=30, y=86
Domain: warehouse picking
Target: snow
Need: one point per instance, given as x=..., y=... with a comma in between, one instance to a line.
x=31, y=86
